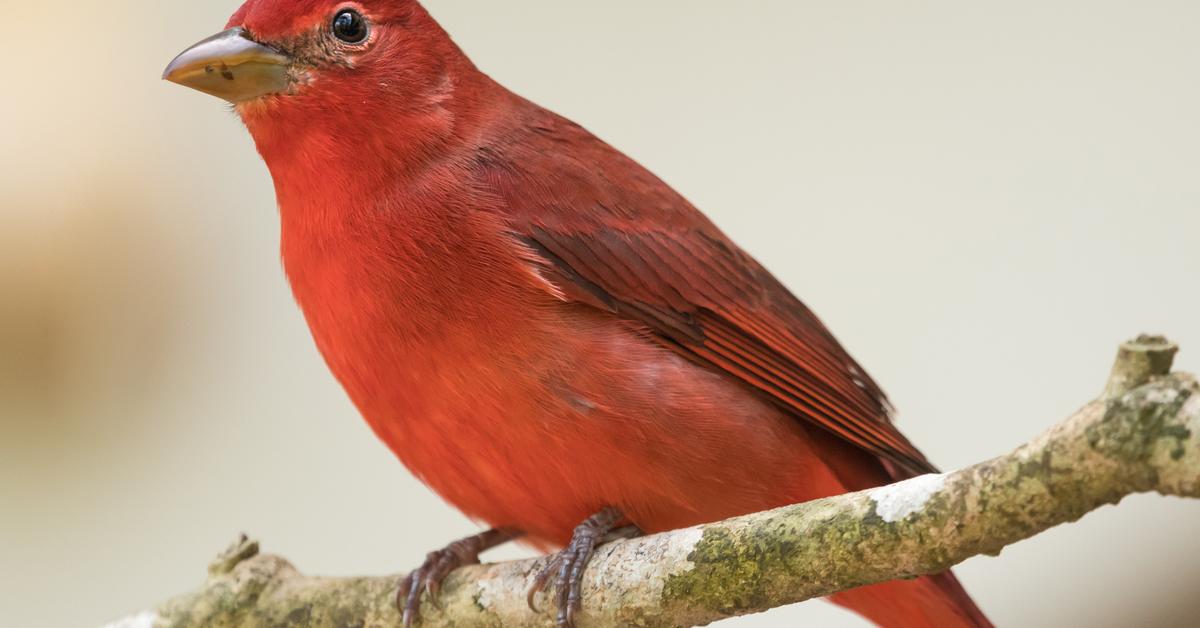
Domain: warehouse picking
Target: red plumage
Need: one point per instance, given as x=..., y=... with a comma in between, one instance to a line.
x=537, y=326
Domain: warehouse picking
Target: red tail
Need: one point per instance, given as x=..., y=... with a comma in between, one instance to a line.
x=927, y=602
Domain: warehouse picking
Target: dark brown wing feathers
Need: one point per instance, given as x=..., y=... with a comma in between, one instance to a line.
x=609, y=234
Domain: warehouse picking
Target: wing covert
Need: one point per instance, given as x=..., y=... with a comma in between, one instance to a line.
x=608, y=233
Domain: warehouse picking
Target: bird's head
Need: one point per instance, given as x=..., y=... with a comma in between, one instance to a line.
x=310, y=76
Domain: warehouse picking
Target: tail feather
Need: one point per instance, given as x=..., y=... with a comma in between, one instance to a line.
x=927, y=602
x=937, y=601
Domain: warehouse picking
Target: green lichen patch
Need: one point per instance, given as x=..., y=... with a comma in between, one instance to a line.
x=1179, y=435
x=1134, y=423
x=738, y=568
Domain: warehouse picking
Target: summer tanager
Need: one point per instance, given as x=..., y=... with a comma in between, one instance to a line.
x=544, y=332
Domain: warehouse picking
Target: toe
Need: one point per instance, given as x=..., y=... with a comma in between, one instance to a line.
x=412, y=603
x=562, y=587
x=540, y=582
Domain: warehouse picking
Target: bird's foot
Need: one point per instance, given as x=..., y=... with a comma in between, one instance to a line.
x=567, y=566
x=439, y=564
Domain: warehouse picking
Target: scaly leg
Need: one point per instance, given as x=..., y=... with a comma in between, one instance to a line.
x=439, y=564
x=568, y=565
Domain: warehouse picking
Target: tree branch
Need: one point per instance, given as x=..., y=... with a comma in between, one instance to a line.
x=1143, y=435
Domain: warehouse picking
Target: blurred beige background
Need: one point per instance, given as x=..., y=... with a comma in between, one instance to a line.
x=982, y=199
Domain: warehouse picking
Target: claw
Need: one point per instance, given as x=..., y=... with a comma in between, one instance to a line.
x=539, y=582
x=429, y=576
x=568, y=566
x=412, y=602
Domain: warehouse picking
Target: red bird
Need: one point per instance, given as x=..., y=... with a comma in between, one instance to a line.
x=541, y=330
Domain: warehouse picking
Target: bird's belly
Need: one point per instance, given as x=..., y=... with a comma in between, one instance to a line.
x=522, y=410
x=539, y=428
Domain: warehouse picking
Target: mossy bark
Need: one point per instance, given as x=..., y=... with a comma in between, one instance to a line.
x=1142, y=436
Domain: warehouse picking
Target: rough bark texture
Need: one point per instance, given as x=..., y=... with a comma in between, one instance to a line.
x=1143, y=435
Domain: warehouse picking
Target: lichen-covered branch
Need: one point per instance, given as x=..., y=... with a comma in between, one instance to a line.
x=1143, y=435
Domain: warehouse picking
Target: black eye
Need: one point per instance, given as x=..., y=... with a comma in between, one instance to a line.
x=349, y=26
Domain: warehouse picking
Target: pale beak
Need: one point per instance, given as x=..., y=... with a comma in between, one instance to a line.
x=232, y=66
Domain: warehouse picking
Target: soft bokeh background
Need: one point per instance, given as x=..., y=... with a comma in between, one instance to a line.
x=982, y=199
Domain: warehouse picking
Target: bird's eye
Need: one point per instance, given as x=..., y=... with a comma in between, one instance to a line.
x=349, y=26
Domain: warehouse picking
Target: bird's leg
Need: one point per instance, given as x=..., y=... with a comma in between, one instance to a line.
x=568, y=565
x=439, y=564
x=622, y=533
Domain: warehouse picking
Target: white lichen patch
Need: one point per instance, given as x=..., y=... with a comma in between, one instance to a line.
x=1174, y=458
x=641, y=557
x=144, y=619
x=1162, y=396
x=685, y=542
x=897, y=501
x=491, y=589
x=1191, y=410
